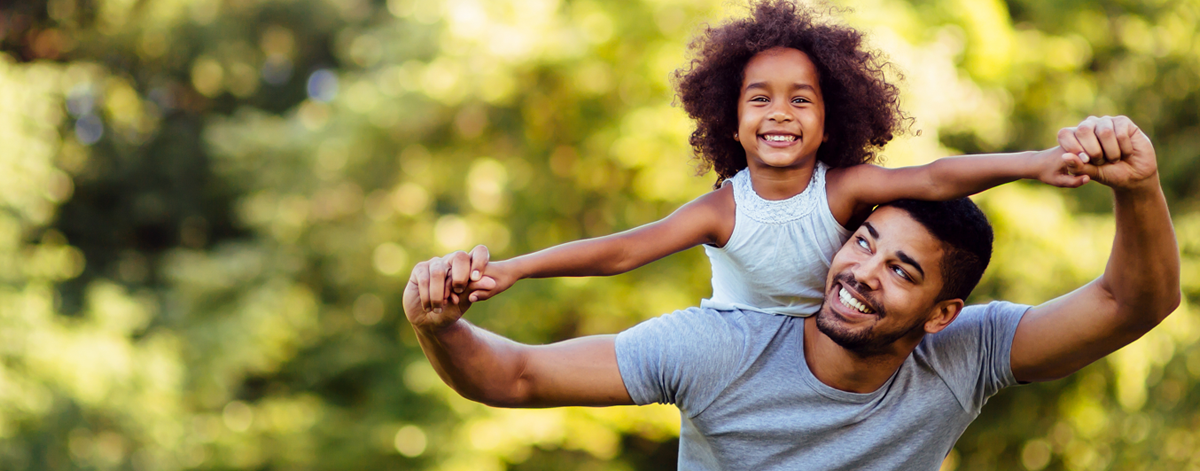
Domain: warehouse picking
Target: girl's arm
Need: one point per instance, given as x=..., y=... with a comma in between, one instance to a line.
x=855, y=190
x=705, y=220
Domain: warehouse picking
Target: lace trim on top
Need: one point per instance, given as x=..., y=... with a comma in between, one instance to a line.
x=777, y=211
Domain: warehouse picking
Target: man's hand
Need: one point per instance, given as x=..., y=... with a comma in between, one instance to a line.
x=432, y=298
x=1119, y=154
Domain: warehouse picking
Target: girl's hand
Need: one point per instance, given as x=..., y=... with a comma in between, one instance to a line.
x=496, y=277
x=1061, y=169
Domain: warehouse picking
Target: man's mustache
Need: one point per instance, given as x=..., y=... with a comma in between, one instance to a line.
x=846, y=279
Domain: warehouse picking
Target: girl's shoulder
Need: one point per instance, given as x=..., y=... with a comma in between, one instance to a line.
x=719, y=200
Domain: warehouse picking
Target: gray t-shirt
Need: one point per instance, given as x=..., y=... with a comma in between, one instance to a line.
x=748, y=400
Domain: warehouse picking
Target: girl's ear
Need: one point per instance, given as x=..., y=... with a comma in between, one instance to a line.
x=735, y=136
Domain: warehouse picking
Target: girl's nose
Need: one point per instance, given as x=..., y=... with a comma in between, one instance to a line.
x=778, y=114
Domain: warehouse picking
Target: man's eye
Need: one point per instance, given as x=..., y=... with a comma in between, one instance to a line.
x=863, y=243
x=901, y=272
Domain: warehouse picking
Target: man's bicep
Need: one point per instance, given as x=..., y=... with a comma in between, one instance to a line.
x=1059, y=337
x=577, y=372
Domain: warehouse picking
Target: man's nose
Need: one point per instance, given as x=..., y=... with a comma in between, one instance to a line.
x=867, y=273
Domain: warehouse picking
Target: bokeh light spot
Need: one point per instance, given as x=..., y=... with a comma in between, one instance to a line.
x=410, y=441
x=390, y=259
x=89, y=129
x=368, y=309
x=322, y=85
x=237, y=416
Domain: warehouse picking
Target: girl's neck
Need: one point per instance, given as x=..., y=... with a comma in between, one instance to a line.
x=780, y=183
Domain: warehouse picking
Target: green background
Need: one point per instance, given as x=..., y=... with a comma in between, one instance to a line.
x=208, y=211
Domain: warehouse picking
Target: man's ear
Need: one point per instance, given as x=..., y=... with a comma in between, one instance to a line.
x=943, y=314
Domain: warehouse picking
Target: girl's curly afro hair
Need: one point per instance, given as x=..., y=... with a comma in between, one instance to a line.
x=862, y=111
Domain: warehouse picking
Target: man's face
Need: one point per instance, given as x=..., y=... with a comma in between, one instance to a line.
x=883, y=284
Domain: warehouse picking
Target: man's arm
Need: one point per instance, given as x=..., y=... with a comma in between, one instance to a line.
x=488, y=368
x=1140, y=284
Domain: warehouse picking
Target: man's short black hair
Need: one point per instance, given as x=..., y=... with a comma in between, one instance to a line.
x=966, y=238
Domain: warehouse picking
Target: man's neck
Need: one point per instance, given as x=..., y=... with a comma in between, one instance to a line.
x=849, y=371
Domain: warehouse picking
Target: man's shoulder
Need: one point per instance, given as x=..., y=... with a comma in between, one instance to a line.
x=696, y=325
x=977, y=318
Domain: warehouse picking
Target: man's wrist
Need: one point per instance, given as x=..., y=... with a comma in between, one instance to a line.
x=1146, y=187
x=437, y=331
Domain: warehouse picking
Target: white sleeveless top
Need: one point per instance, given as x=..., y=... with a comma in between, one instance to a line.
x=779, y=254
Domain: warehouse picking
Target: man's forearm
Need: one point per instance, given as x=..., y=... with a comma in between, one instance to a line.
x=1143, y=272
x=478, y=364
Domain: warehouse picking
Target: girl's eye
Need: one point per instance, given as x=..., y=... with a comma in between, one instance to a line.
x=761, y=99
x=800, y=100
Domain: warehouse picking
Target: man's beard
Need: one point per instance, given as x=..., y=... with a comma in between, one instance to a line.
x=863, y=342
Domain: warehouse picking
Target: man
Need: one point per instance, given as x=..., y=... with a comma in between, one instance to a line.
x=883, y=377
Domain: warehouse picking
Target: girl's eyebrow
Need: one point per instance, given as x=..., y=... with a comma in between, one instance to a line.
x=795, y=86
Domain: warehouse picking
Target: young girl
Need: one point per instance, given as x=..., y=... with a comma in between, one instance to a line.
x=790, y=112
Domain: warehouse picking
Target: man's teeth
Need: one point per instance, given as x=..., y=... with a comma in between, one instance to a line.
x=779, y=137
x=849, y=301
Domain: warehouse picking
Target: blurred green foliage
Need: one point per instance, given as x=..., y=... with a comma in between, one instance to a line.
x=208, y=210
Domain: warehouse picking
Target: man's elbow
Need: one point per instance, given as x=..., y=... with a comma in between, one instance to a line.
x=1170, y=304
x=510, y=395
x=1152, y=311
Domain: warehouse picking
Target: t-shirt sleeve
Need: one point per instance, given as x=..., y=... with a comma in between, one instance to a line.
x=684, y=358
x=973, y=354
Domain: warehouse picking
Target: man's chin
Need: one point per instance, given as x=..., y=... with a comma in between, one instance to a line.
x=833, y=326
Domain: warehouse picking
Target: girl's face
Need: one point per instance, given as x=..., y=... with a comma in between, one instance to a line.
x=781, y=112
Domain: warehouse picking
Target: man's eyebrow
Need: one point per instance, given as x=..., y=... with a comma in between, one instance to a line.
x=909, y=260
x=874, y=233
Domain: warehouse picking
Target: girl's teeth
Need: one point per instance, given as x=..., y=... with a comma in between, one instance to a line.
x=779, y=138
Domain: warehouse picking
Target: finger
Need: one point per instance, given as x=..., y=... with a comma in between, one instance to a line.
x=482, y=290
x=1078, y=168
x=1107, y=135
x=460, y=269
x=1125, y=131
x=437, y=283
x=480, y=256
x=420, y=277
x=1072, y=177
x=451, y=297
x=1086, y=134
x=1068, y=142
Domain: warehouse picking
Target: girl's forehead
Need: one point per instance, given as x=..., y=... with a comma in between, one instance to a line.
x=780, y=63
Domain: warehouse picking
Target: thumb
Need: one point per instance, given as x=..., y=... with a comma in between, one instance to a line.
x=481, y=290
x=1077, y=167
